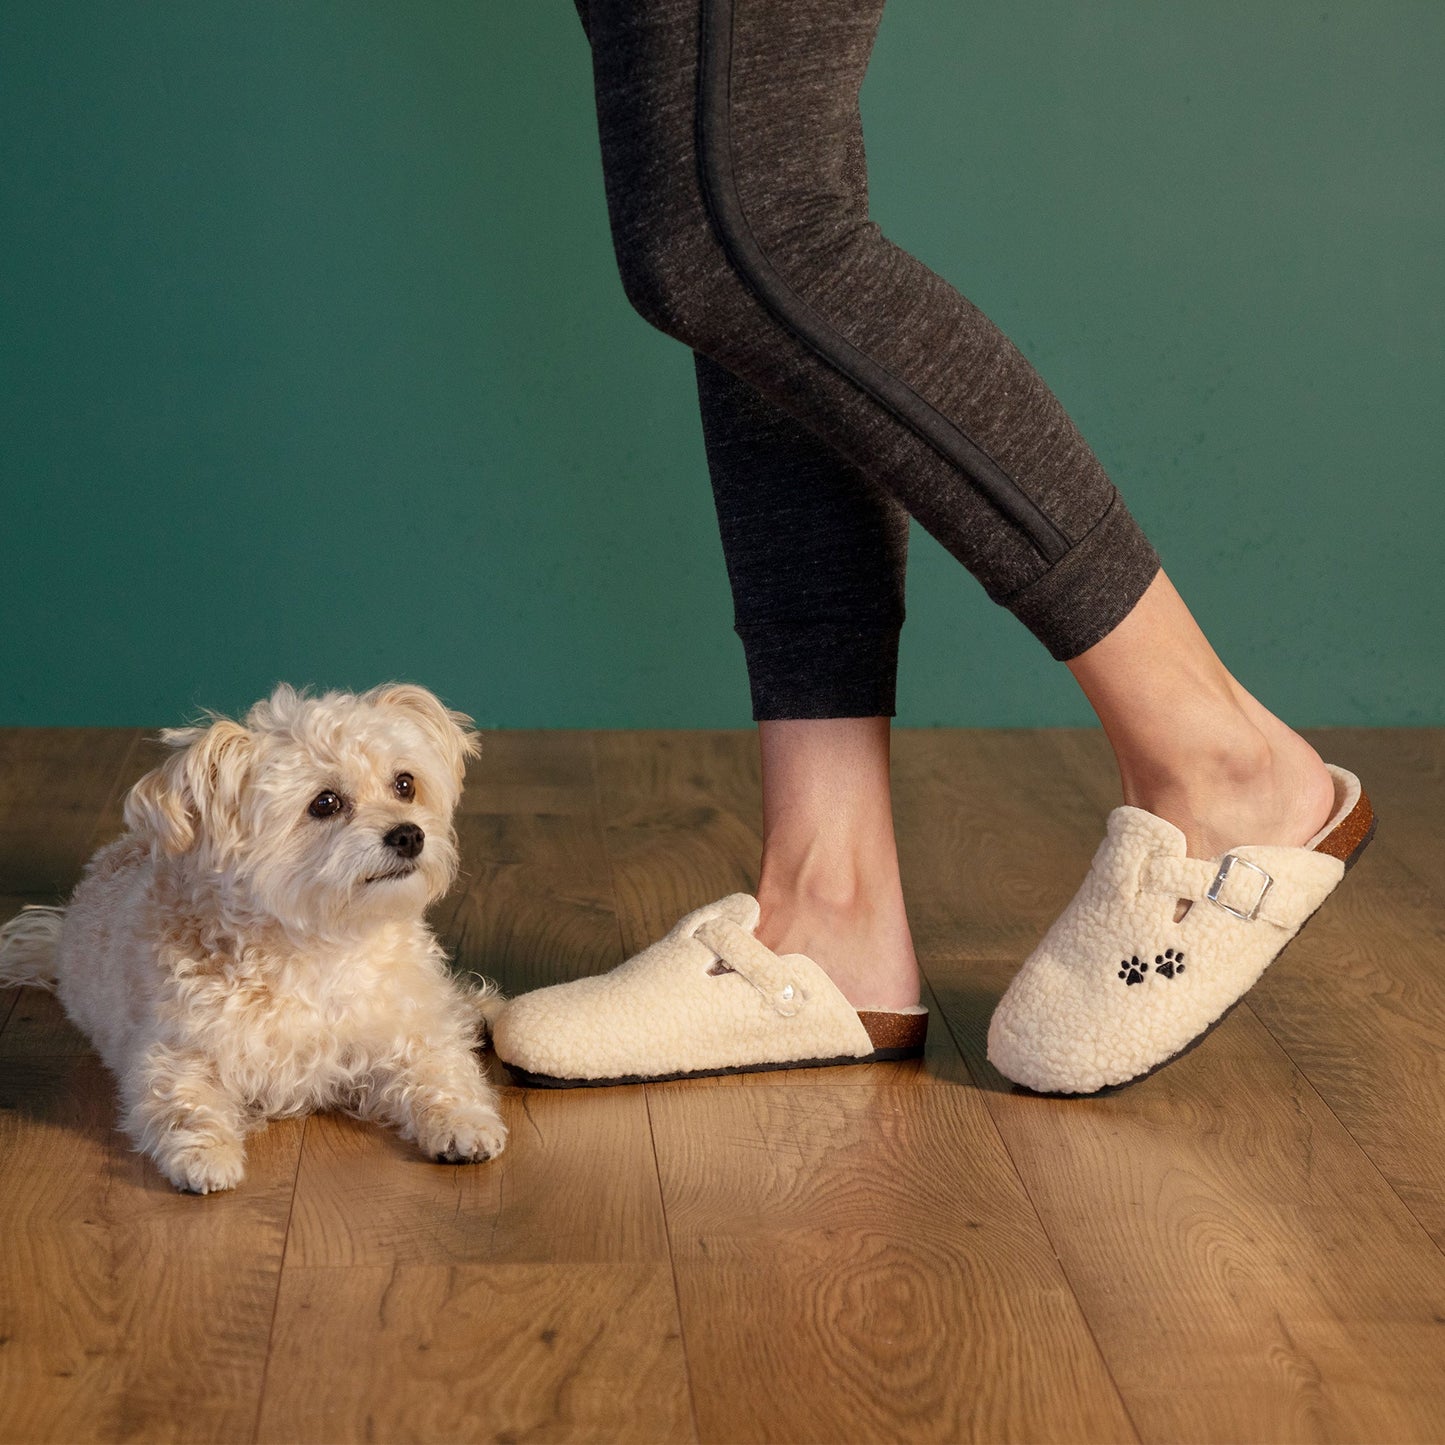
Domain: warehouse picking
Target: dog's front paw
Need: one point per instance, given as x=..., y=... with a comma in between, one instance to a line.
x=466, y=1134
x=205, y=1167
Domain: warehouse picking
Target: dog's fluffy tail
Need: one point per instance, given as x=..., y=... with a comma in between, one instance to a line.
x=486, y=999
x=27, y=947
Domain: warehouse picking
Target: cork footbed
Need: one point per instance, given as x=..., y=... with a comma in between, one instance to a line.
x=1347, y=839
x=896, y=1031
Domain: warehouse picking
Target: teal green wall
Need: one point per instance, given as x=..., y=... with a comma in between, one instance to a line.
x=316, y=365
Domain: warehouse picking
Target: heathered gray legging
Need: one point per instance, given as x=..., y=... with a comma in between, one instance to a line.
x=843, y=384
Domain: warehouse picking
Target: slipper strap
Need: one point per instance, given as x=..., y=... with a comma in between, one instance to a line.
x=755, y=962
x=1240, y=885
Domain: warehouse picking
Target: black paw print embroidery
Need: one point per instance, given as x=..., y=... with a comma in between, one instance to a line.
x=1169, y=963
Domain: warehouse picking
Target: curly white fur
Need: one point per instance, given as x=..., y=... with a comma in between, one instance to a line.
x=235, y=958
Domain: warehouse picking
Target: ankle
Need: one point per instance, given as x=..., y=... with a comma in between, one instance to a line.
x=862, y=941
x=1272, y=787
x=1192, y=745
x=1215, y=750
x=835, y=875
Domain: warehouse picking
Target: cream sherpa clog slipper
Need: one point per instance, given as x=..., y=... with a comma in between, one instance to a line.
x=1118, y=987
x=706, y=999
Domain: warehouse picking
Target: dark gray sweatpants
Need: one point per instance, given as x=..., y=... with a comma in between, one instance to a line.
x=843, y=385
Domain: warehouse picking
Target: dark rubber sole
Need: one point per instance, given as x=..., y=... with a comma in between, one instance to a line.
x=529, y=1080
x=1349, y=862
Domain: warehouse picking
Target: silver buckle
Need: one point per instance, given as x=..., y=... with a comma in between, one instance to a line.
x=1229, y=862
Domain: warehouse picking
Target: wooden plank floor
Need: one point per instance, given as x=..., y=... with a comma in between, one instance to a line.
x=1248, y=1246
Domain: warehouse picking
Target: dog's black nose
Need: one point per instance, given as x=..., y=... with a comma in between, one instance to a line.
x=406, y=838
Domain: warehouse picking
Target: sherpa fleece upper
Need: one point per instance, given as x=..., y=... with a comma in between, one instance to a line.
x=684, y=1004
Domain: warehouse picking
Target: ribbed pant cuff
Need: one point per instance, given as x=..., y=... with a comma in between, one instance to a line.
x=821, y=669
x=1092, y=588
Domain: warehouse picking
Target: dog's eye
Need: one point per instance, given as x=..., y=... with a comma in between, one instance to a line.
x=325, y=805
x=405, y=785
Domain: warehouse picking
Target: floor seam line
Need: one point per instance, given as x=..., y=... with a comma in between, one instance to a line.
x=1033, y=1205
x=280, y=1275
x=600, y=817
x=672, y=1265
x=1345, y=1129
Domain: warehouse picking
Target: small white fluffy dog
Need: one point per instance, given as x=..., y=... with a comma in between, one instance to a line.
x=254, y=945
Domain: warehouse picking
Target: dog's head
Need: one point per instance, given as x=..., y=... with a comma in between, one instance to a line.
x=321, y=812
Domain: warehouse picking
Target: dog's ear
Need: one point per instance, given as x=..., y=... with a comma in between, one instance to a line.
x=451, y=731
x=197, y=791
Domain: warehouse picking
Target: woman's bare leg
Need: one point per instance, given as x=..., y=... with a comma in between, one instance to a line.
x=829, y=884
x=1191, y=744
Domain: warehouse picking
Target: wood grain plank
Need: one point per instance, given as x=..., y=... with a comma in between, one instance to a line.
x=683, y=817
x=1232, y=1249
x=519, y=1352
x=61, y=791
x=576, y=1184
x=987, y=865
x=58, y=786
x=866, y=1261
x=1247, y=1272
x=534, y=905
x=129, y=1311
x=833, y=1248
x=37, y=1028
x=59, y=796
